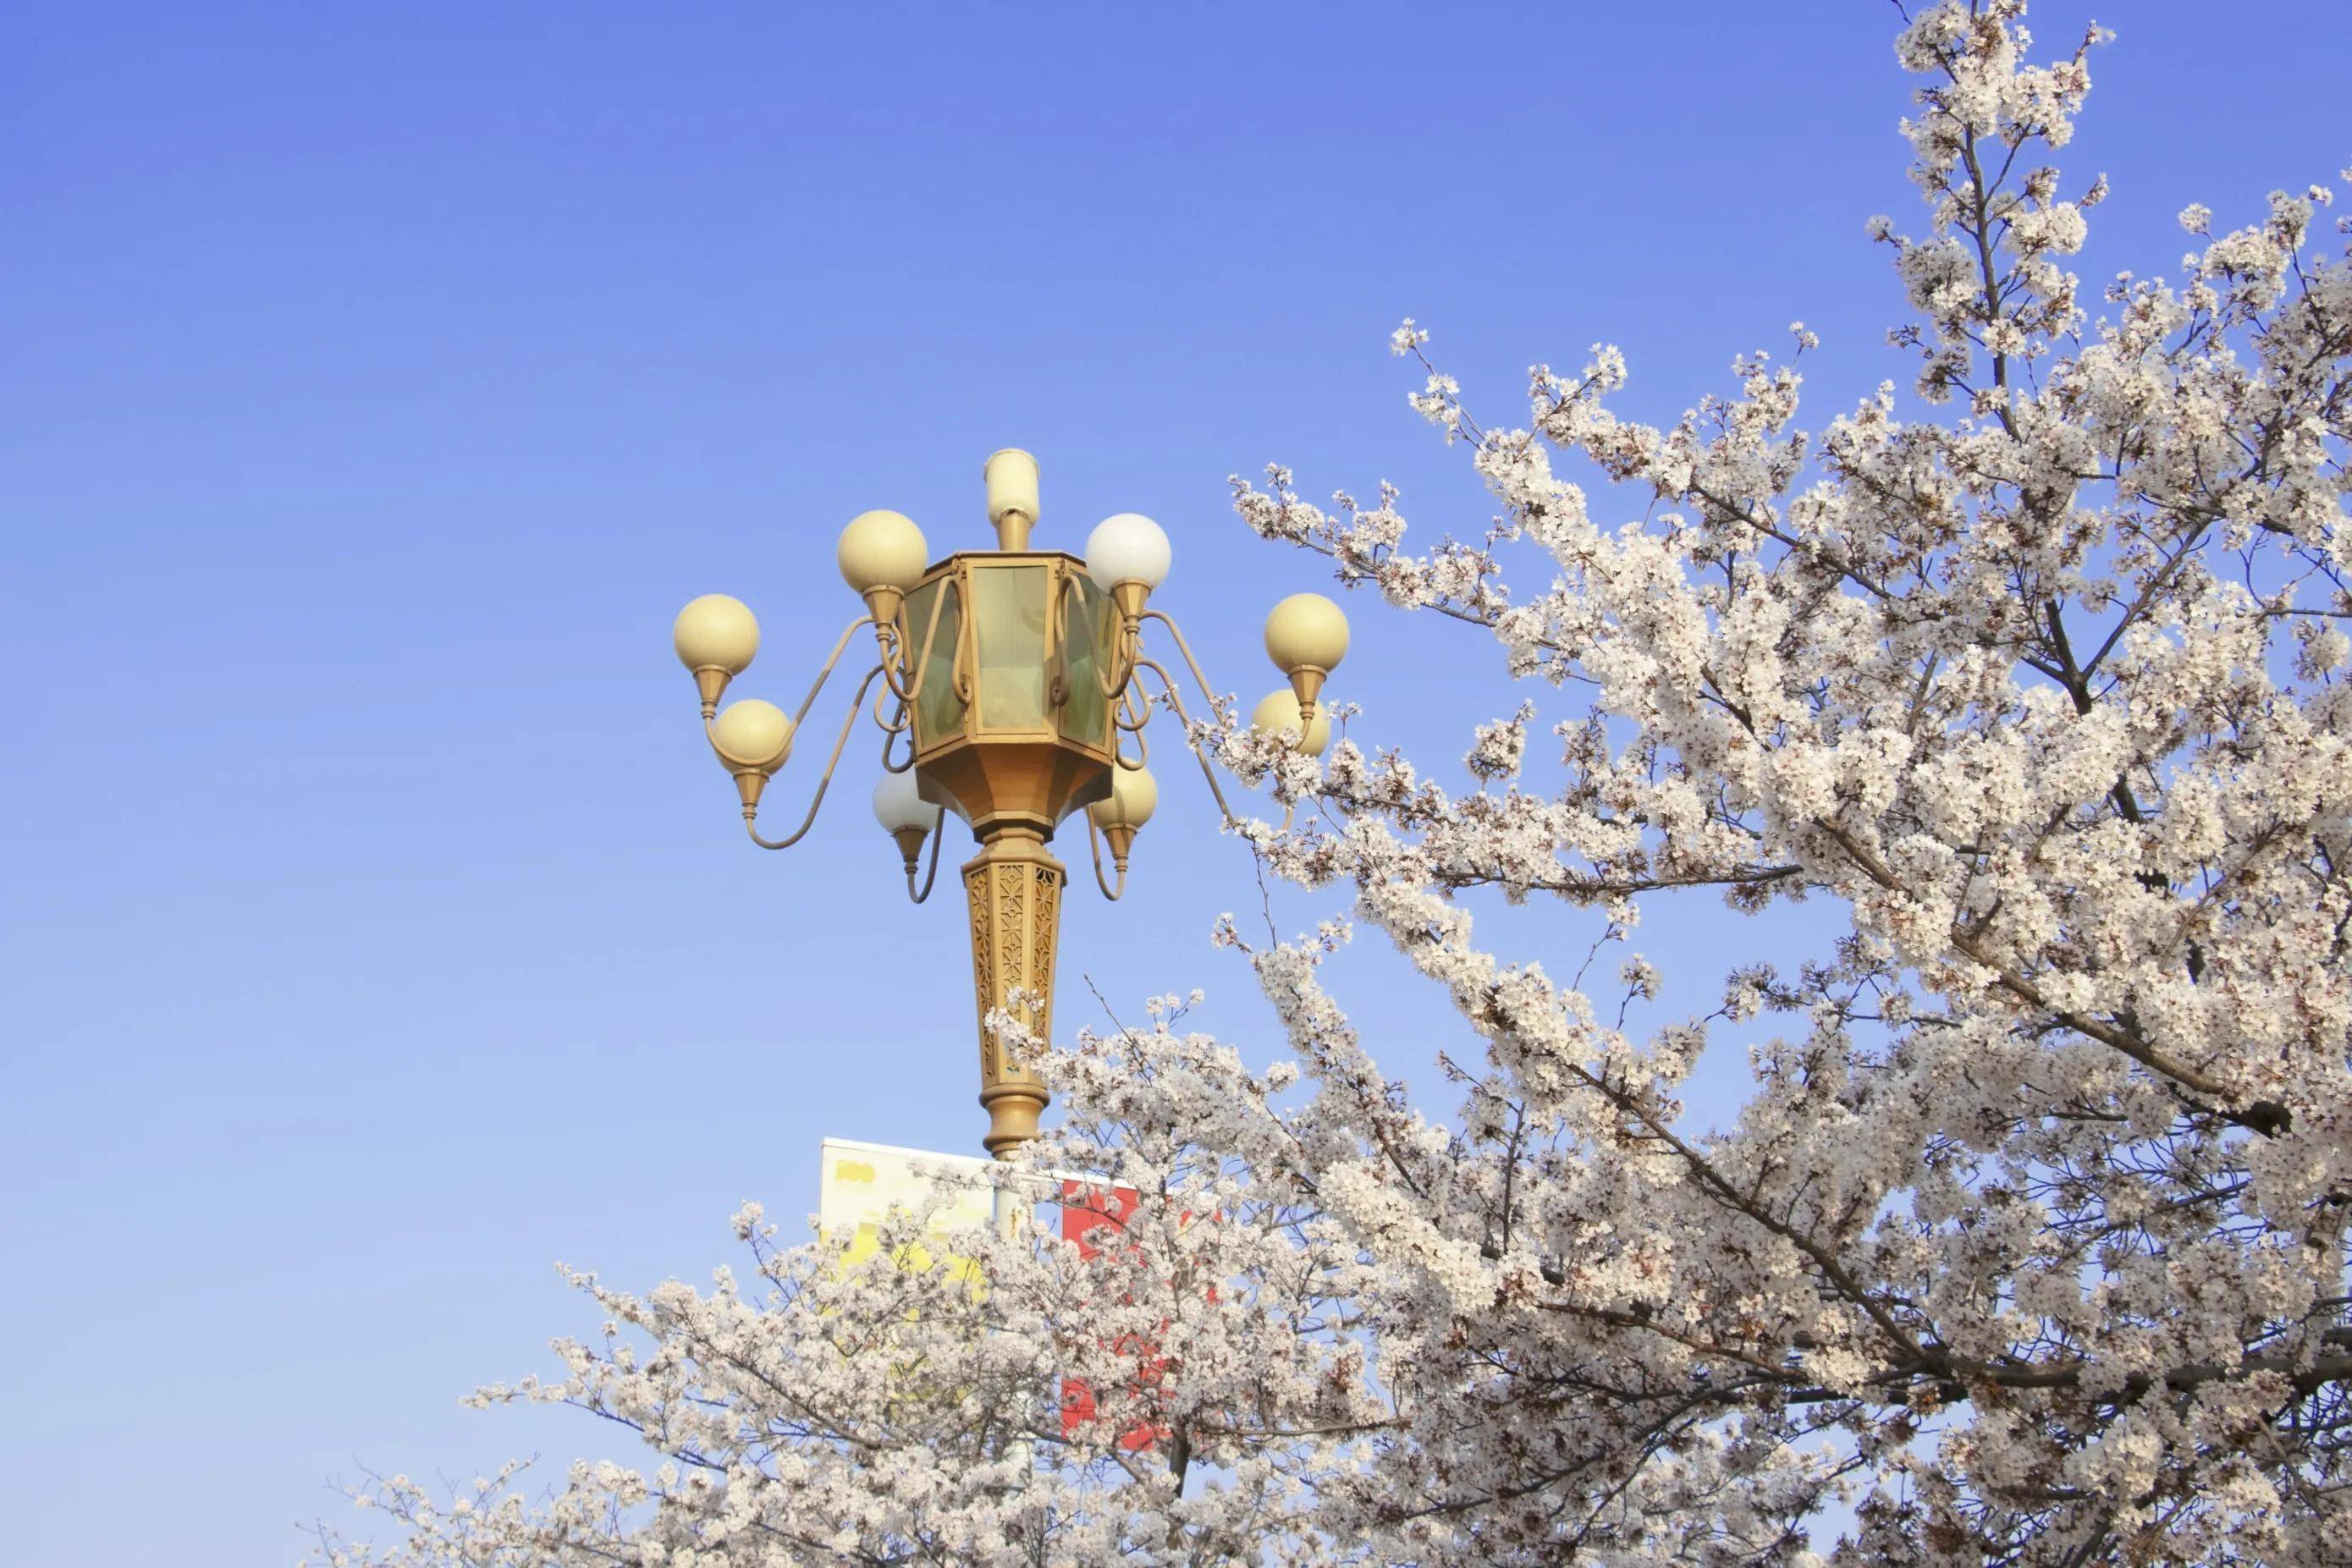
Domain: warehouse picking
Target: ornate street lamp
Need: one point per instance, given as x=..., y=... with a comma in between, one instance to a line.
x=1016, y=677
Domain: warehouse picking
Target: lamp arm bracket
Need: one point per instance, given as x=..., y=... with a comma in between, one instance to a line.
x=897, y=722
x=938, y=831
x=895, y=641
x=1131, y=710
x=1094, y=847
x=1111, y=680
x=1177, y=703
x=1057, y=644
x=750, y=814
x=1208, y=692
x=1124, y=655
x=890, y=732
x=1142, y=744
x=967, y=660
x=826, y=674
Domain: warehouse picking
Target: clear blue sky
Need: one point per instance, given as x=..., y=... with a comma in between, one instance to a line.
x=379, y=381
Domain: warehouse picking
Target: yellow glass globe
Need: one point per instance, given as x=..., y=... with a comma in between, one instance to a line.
x=1306, y=630
x=1278, y=711
x=882, y=549
x=1134, y=796
x=716, y=632
x=752, y=736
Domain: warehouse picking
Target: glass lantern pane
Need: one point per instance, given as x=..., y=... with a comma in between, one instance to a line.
x=1086, y=642
x=939, y=712
x=1008, y=615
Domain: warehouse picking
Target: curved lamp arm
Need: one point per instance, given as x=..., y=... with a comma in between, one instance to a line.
x=899, y=726
x=966, y=663
x=1094, y=846
x=826, y=674
x=938, y=831
x=1112, y=679
x=896, y=638
x=1208, y=692
x=751, y=814
x=1130, y=712
x=1168, y=687
x=1142, y=741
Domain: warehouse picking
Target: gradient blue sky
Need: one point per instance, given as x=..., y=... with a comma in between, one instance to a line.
x=378, y=382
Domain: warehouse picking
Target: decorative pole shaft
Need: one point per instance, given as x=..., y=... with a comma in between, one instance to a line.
x=1013, y=887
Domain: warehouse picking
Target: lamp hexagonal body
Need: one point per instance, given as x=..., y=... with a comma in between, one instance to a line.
x=1012, y=727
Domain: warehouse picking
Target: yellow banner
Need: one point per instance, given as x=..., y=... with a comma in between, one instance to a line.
x=862, y=1183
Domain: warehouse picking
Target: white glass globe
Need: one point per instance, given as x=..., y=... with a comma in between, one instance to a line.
x=1129, y=548
x=897, y=805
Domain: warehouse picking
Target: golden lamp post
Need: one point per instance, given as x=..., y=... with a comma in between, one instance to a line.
x=1016, y=676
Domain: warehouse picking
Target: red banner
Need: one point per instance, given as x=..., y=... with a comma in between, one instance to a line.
x=1096, y=1218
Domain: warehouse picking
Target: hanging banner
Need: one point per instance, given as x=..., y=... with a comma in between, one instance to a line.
x=1095, y=1216
x=861, y=1183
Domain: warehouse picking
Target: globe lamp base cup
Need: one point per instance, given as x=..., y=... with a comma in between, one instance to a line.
x=883, y=603
x=710, y=685
x=1128, y=599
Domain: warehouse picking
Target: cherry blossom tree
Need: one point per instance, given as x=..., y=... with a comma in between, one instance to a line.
x=2027, y=1245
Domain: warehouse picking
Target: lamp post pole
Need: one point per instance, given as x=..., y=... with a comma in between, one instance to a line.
x=1013, y=891
x=1013, y=694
